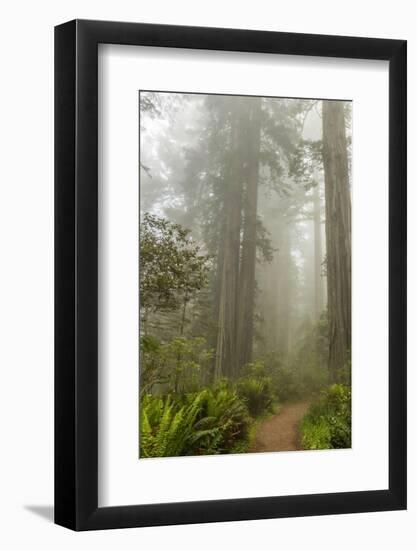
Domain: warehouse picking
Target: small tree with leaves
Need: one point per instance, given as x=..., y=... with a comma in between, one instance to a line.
x=172, y=268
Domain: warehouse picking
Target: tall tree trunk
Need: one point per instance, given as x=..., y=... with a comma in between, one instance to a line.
x=226, y=356
x=269, y=306
x=183, y=317
x=318, y=255
x=217, y=336
x=338, y=233
x=284, y=289
x=246, y=302
x=277, y=290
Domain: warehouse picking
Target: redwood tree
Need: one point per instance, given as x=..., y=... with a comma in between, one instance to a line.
x=338, y=233
x=318, y=254
x=226, y=359
x=246, y=301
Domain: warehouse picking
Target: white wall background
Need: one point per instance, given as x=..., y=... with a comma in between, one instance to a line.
x=26, y=272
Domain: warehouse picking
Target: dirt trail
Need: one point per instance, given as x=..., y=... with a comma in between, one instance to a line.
x=280, y=433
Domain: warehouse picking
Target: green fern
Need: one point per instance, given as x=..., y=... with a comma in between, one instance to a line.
x=211, y=421
x=257, y=394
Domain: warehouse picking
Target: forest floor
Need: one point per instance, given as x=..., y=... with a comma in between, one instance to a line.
x=281, y=432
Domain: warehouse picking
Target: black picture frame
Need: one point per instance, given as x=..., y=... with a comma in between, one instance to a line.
x=76, y=273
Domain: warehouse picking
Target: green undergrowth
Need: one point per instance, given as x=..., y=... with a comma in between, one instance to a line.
x=327, y=424
x=218, y=419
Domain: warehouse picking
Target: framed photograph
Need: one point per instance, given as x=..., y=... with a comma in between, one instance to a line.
x=230, y=275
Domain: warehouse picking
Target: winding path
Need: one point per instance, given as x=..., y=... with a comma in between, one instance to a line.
x=281, y=433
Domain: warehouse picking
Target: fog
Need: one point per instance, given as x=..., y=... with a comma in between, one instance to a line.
x=245, y=176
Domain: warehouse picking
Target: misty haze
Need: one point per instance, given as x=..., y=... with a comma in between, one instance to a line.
x=245, y=274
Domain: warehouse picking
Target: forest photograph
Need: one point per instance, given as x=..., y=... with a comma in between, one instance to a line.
x=244, y=274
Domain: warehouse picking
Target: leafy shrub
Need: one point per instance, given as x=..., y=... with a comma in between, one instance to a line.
x=303, y=372
x=311, y=379
x=174, y=366
x=257, y=394
x=287, y=384
x=327, y=425
x=290, y=382
x=316, y=435
x=256, y=369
